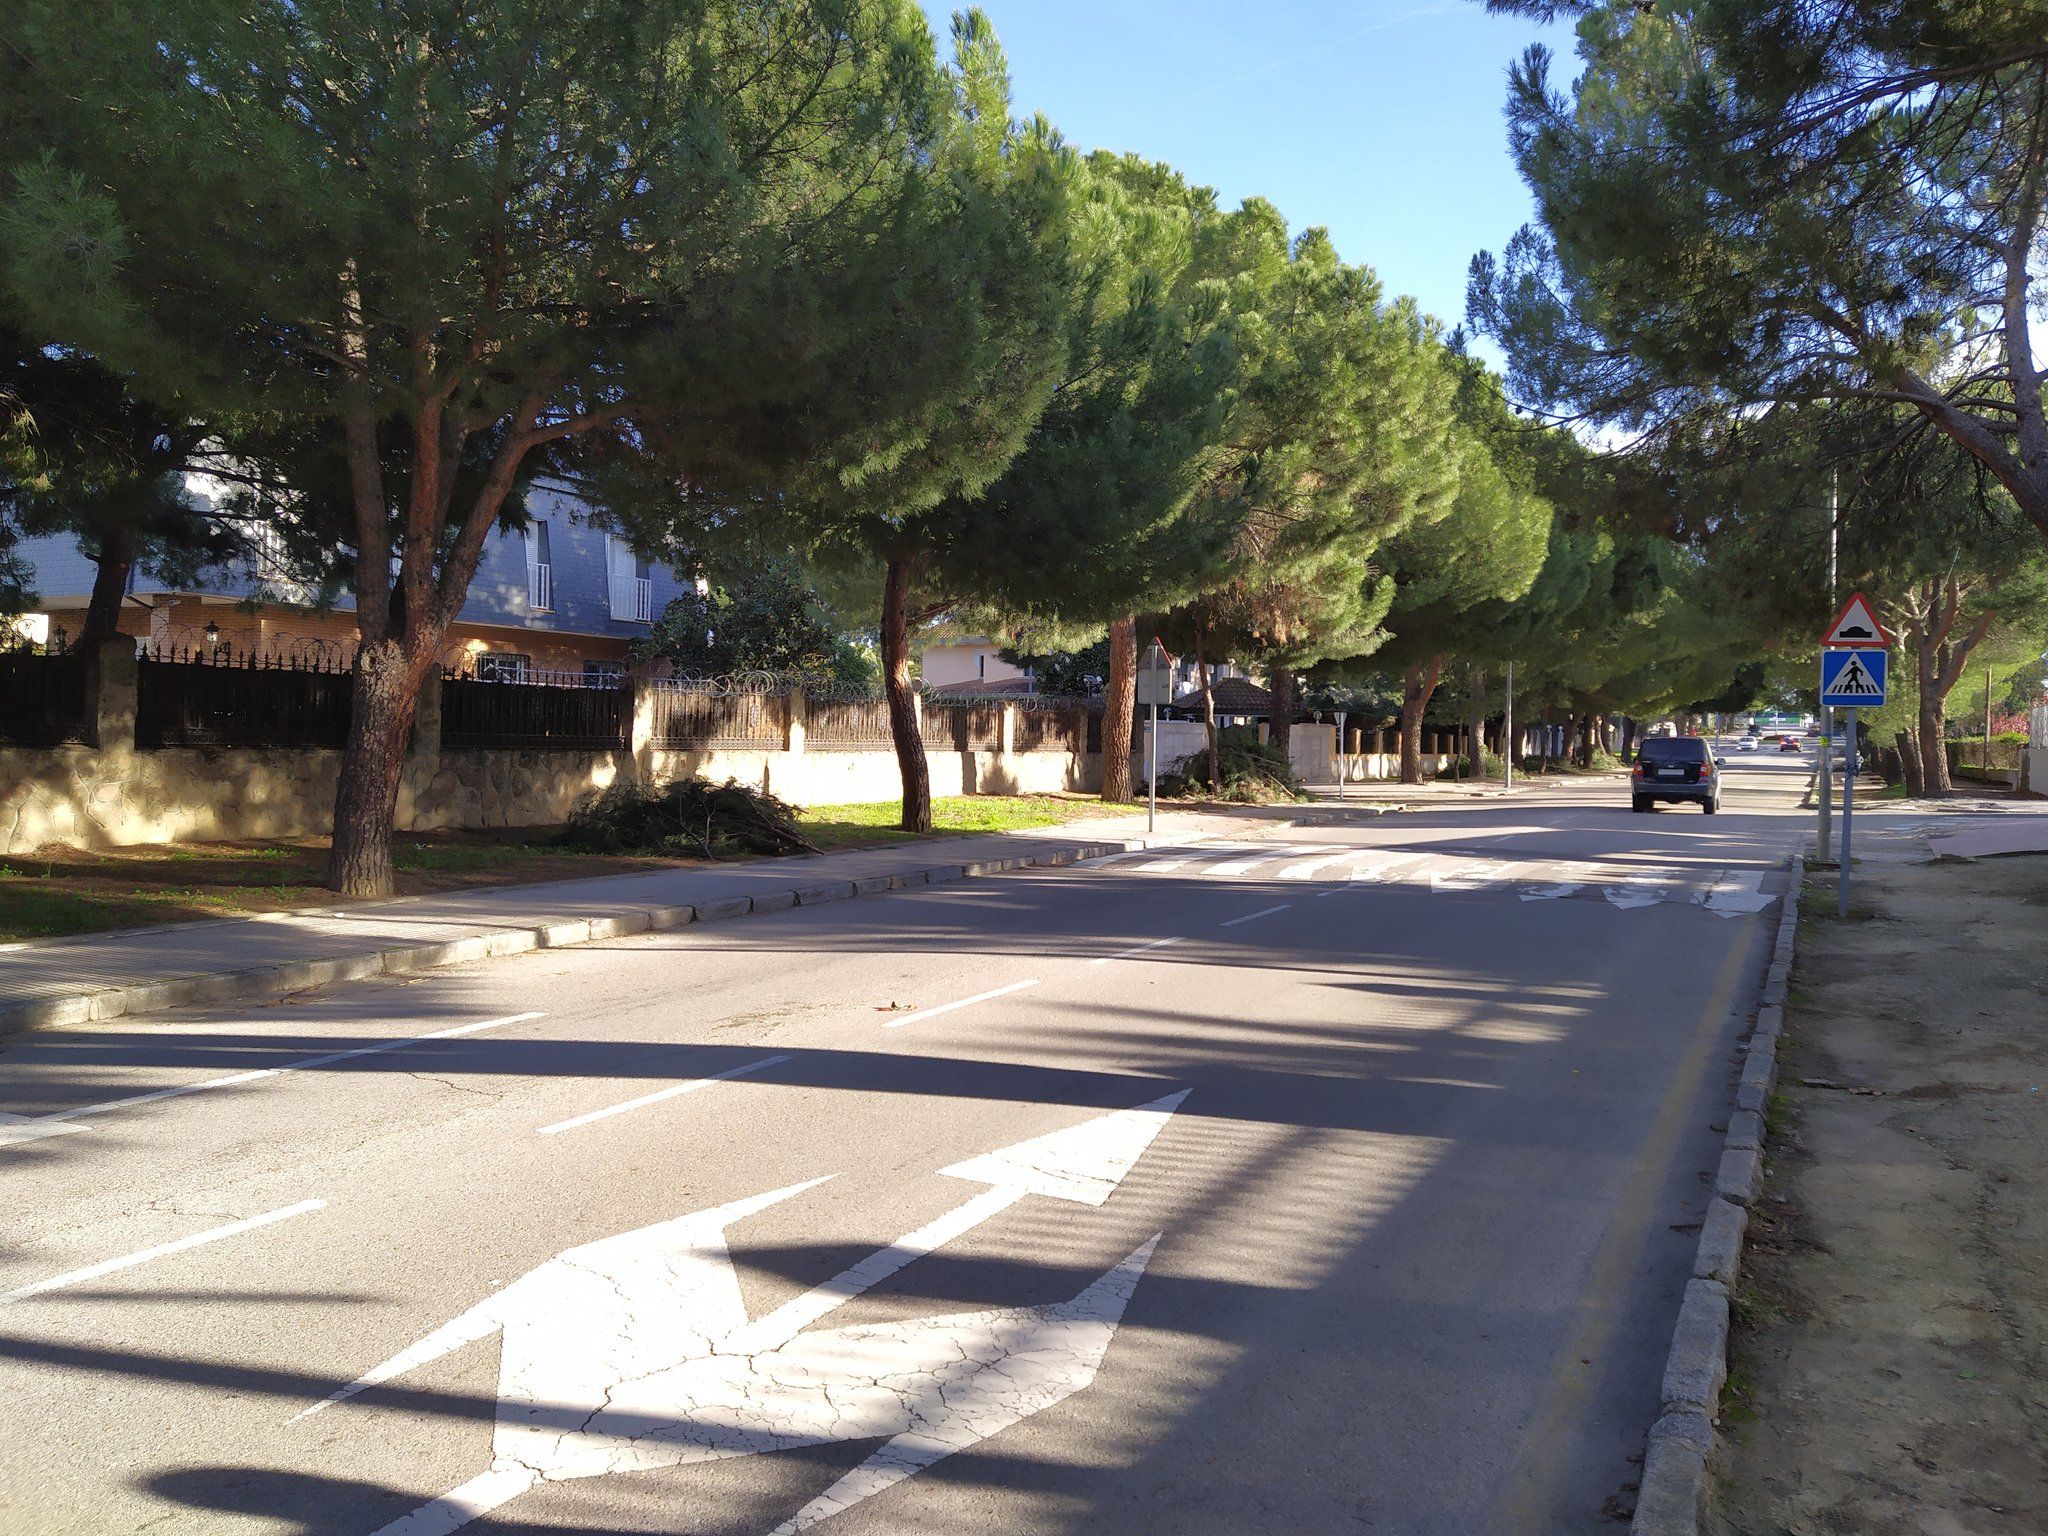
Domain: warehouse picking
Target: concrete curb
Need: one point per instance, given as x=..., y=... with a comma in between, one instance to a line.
x=1672, y=1498
x=271, y=980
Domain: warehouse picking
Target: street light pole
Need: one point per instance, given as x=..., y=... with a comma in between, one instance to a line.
x=1507, y=734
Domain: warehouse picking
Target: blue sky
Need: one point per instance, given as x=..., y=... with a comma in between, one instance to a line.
x=1379, y=119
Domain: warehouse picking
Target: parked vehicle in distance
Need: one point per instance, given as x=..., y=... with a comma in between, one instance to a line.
x=1680, y=769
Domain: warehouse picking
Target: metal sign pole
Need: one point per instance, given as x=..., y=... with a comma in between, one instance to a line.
x=1827, y=715
x=1848, y=810
x=1152, y=769
x=1342, y=765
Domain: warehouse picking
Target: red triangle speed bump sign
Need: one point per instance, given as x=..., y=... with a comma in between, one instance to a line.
x=1856, y=627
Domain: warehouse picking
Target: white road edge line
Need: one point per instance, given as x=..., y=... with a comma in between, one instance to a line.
x=1263, y=912
x=161, y=1250
x=50, y=1124
x=966, y=1002
x=663, y=1093
x=1136, y=949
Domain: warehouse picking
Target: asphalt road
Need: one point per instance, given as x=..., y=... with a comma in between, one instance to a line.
x=1339, y=1180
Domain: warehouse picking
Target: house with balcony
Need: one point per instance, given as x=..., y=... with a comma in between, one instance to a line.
x=560, y=600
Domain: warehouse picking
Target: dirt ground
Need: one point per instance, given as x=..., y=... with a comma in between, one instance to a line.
x=1887, y=1374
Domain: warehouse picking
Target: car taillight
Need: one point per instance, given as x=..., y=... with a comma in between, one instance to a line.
x=1637, y=771
x=1706, y=770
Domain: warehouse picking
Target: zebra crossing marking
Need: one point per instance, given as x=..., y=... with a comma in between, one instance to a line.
x=1723, y=891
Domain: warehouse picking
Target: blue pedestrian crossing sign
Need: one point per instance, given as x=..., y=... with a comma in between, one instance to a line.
x=1853, y=679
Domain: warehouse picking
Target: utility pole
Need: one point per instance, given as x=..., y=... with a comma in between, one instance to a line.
x=1987, y=720
x=1827, y=745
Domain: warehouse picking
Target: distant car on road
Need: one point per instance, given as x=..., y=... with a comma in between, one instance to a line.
x=1788, y=744
x=1680, y=769
x=1747, y=744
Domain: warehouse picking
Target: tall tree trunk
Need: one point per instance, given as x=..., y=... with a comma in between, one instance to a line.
x=1119, y=705
x=385, y=692
x=1282, y=689
x=1475, y=722
x=109, y=586
x=1417, y=684
x=1909, y=765
x=1939, y=656
x=910, y=763
x=1933, y=716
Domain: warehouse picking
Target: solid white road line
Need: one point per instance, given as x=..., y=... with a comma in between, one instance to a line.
x=663, y=1093
x=966, y=1002
x=1135, y=949
x=1263, y=912
x=129, y=1261
x=53, y=1124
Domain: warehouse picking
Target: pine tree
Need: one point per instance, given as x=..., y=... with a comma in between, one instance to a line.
x=454, y=236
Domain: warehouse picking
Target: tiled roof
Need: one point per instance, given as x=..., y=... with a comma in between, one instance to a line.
x=1234, y=696
x=975, y=686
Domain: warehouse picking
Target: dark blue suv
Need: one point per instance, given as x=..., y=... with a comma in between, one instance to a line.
x=1680, y=768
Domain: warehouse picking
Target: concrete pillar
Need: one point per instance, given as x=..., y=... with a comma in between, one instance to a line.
x=110, y=694
x=1006, y=736
x=793, y=740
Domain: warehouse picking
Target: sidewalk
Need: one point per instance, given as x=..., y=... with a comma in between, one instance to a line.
x=1890, y=1317
x=102, y=976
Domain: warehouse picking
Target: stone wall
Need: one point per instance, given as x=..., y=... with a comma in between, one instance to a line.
x=111, y=795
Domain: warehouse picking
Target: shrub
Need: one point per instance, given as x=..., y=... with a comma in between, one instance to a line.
x=1247, y=770
x=1491, y=766
x=690, y=816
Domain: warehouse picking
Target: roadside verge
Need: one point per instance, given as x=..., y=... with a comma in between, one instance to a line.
x=1672, y=1496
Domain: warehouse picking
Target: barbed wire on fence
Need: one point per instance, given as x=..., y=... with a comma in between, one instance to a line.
x=283, y=653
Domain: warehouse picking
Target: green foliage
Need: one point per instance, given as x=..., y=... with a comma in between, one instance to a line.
x=760, y=618
x=1075, y=674
x=689, y=816
x=1747, y=200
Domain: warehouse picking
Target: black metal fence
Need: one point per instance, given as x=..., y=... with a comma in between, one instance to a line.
x=194, y=698
x=696, y=717
x=536, y=716
x=42, y=696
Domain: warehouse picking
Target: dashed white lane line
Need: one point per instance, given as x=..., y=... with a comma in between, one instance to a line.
x=966, y=1002
x=1237, y=867
x=1254, y=916
x=161, y=1250
x=673, y=1091
x=54, y=1124
x=1135, y=949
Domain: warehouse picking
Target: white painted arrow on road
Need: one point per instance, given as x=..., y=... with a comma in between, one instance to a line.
x=635, y=1351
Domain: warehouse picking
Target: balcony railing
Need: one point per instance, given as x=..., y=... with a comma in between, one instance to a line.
x=633, y=599
x=540, y=587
